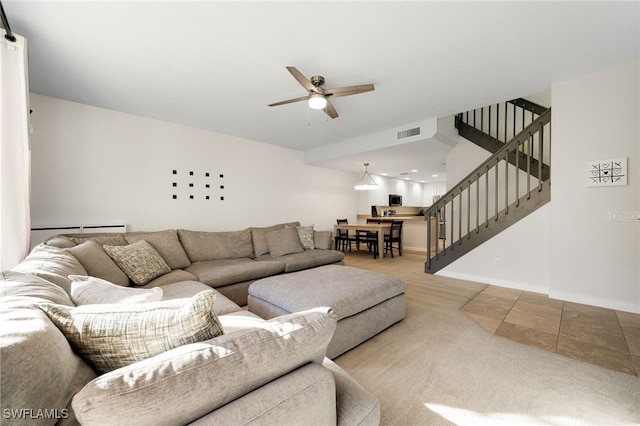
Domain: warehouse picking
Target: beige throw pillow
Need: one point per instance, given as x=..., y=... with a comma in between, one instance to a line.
x=91, y=290
x=188, y=382
x=283, y=241
x=139, y=261
x=115, y=335
x=98, y=263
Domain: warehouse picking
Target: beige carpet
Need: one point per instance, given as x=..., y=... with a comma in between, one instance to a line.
x=439, y=367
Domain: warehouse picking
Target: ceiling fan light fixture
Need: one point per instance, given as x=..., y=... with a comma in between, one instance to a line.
x=366, y=182
x=317, y=101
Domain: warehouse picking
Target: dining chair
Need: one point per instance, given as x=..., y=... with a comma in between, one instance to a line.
x=394, y=236
x=343, y=238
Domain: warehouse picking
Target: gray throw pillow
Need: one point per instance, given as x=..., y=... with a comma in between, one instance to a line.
x=98, y=263
x=283, y=241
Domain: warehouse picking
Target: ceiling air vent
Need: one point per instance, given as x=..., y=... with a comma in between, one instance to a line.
x=408, y=133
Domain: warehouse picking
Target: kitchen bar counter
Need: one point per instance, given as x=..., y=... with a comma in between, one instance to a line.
x=414, y=230
x=389, y=218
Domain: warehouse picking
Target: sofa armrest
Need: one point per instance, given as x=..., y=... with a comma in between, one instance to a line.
x=185, y=383
x=306, y=396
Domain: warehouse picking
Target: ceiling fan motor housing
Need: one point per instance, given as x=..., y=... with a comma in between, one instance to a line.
x=317, y=80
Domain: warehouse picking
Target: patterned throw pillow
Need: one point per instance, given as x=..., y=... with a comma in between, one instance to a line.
x=305, y=233
x=139, y=261
x=87, y=290
x=111, y=336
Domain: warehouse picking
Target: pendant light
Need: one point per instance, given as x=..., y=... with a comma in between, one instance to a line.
x=366, y=182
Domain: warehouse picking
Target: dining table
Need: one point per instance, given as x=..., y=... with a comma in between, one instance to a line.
x=379, y=228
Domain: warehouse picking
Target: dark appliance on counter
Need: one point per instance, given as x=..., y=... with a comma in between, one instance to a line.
x=374, y=211
x=395, y=200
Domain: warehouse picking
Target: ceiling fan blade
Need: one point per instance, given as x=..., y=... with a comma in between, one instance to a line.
x=330, y=110
x=349, y=90
x=304, y=81
x=290, y=101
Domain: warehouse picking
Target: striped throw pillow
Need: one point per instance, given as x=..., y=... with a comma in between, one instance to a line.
x=110, y=336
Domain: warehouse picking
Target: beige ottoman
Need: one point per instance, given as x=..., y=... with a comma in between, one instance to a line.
x=365, y=302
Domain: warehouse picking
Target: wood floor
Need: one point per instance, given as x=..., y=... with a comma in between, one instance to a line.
x=598, y=336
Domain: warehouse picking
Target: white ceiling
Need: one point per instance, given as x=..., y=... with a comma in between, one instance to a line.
x=216, y=65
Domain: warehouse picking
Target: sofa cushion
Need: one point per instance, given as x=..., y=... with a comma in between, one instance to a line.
x=39, y=370
x=305, y=234
x=31, y=289
x=175, y=276
x=98, y=263
x=283, y=241
x=306, y=260
x=91, y=290
x=109, y=239
x=51, y=263
x=323, y=240
x=114, y=335
x=259, y=240
x=222, y=305
x=184, y=384
x=218, y=273
x=60, y=241
x=139, y=261
x=166, y=243
x=201, y=246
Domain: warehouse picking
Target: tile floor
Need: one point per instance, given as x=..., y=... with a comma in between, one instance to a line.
x=599, y=336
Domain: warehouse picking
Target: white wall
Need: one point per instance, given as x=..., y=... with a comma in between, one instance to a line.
x=593, y=260
x=95, y=166
x=515, y=258
x=568, y=248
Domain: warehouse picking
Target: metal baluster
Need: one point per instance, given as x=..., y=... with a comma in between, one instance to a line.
x=517, y=151
x=498, y=122
x=489, y=131
x=477, y=202
x=452, y=231
x=460, y=217
x=496, y=186
x=529, y=174
x=514, y=120
x=506, y=182
x=486, y=196
x=482, y=120
x=468, y=209
x=506, y=112
x=474, y=120
x=443, y=215
x=540, y=152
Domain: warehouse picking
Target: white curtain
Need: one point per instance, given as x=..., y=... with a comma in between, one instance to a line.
x=15, y=157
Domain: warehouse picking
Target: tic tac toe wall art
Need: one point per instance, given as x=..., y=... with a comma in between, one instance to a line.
x=611, y=172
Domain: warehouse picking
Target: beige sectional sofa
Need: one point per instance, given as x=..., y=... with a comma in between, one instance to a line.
x=227, y=261
x=63, y=309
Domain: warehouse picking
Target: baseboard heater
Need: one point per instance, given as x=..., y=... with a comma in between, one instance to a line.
x=40, y=234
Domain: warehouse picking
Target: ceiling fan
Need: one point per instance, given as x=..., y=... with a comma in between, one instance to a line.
x=318, y=96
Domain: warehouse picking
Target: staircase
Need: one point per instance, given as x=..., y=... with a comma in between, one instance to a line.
x=513, y=182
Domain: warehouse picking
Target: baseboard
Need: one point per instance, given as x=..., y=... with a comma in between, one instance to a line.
x=634, y=308
x=497, y=282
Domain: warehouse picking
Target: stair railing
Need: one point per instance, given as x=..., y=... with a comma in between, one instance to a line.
x=492, y=190
x=501, y=121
